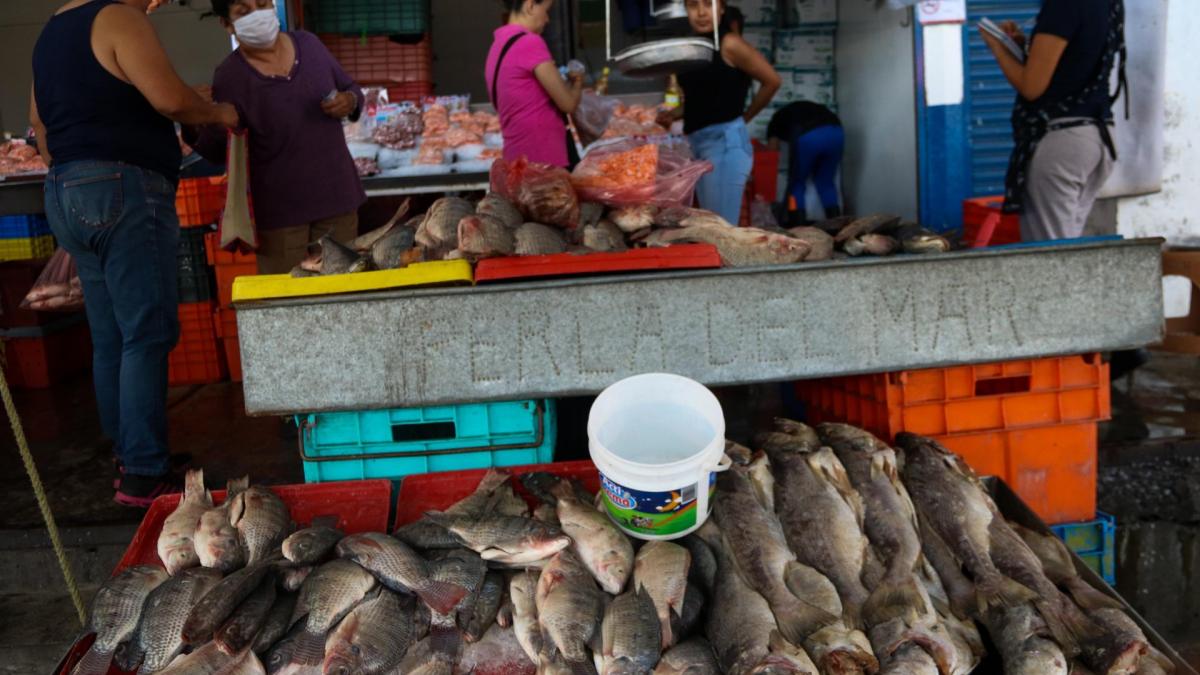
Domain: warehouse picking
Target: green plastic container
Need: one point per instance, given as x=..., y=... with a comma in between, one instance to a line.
x=369, y=17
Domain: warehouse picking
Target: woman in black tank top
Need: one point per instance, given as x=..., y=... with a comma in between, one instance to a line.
x=714, y=110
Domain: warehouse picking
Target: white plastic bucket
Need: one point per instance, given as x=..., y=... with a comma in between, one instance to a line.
x=659, y=442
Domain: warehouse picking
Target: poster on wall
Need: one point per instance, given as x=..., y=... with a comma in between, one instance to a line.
x=930, y=12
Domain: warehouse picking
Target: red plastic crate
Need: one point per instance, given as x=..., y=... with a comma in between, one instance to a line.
x=676, y=257
x=381, y=60
x=764, y=176
x=225, y=323
x=985, y=224
x=199, y=201
x=195, y=360
x=409, y=91
x=16, y=278
x=49, y=355
x=219, y=256
x=436, y=491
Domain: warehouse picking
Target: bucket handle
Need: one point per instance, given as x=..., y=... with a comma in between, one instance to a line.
x=723, y=464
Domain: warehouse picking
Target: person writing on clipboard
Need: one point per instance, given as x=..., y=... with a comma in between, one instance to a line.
x=530, y=96
x=1062, y=117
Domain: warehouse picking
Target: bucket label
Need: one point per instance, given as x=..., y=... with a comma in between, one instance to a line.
x=654, y=513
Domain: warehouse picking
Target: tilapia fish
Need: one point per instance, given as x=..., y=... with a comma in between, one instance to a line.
x=218, y=544
x=569, y=607
x=505, y=539
x=522, y=589
x=866, y=225
x=276, y=625
x=691, y=657
x=738, y=246
x=604, y=236
x=312, y=544
x=702, y=566
x=481, y=236
x=501, y=209
x=176, y=542
x=485, y=606
x=426, y=534
x=1023, y=640
x=337, y=259
x=590, y=213
x=916, y=239
x=160, y=632
x=601, y=545
x=871, y=244
x=538, y=239
x=207, y=660
x=215, y=607
x=820, y=242
x=373, y=637
x=630, y=633
x=292, y=578
x=328, y=594
x=630, y=219
x=493, y=495
x=262, y=520
x=497, y=652
x=114, y=615
x=465, y=569
x=395, y=249
x=399, y=568
x=439, y=229
x=661, y=568
x=247, y=619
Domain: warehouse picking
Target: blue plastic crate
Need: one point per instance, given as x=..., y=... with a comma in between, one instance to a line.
x=404, y=441
x=24, y=227
x=1094, y=541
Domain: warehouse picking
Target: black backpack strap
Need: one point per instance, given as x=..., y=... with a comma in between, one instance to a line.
x=499, y=60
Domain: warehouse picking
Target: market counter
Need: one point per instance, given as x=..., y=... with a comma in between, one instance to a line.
x=731, y=326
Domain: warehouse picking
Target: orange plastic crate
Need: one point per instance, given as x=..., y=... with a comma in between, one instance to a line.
x=219, y=256
x=225, y=276
x=976, y=214
x=967, y=399
x=195, y=360
x=225, y=323
x=409, y=91
x=382, y=60
x=199, y=201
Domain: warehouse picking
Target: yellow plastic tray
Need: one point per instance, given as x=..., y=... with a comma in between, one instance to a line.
x=273, y=286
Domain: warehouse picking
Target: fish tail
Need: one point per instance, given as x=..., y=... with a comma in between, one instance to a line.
x=893, y=600
x=798, y=619
x=1086, y=596
x=445, y=641
x=441, y=596
x=193, y=483
x=93, y=662
x=998, y=590
x=308, y=649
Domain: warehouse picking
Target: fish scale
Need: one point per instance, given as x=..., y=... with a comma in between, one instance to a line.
x=399, y=568
x=631, y=634
x=373, y=637
x=115, y=612
x=160, y=632
x=262, y=520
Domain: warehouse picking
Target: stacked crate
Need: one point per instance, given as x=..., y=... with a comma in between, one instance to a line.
x=379, y=43
x=25, y=237
x=196, y=358
x=228, y=266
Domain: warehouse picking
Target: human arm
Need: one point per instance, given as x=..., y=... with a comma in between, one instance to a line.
x=127, y=35
x=741, y=55
x=1032, y=78
x=566, y=95
x=211, y=141
x=39, y=129
x=348, y=104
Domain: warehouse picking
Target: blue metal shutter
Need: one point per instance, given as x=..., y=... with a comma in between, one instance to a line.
x=989, y=97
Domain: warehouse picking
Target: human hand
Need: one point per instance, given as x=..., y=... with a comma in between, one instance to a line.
x=1013, y=31
x=227, y=116
x=666, y=118
x=576, y=79
x=340, y=106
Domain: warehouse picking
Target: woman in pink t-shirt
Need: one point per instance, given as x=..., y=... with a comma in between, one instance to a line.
x=529, y=94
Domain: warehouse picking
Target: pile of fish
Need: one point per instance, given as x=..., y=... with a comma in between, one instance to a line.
x=455, y=228
x=827, y=553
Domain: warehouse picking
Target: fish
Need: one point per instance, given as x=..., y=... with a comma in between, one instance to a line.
x=858, y=227
x=481, y=236
x=312, y=544
x=217, y=542
x=276, y=625
x=821, y=515
x=399, y=568
x=590, y=213
x=422, y=659
x=661, y=568
x=243, y=625
x=694, y=602
x=438, y=231
x=630, y=635
x=373, y=637
x=569, y=607
x=521, y=591
x=1023, y=641
x=365, y=242
x=601, y=545
x=176, y=547
x=756, y=541
x=159, y=636
x=959, y=591
x=327, y=596
x=262, y=520
x=702, y=569
x=948, y=497
x=395, y=250
x=820, y=242
x=485, y=607
x=483, y=498
x=909, y=659
x=630, y=219
x=505, y=539
x=501, y=209
x=292, y=578
x=114, y=615
x=918, y=240
x=538, y=239
x=871, y=244
x=426, y=534
x=206, y=660
x=690, y=657
x=496, y=653
x=337, y=259
x=461, y=568
x=219, y=602
x=738, y=246
x=542, y=484
x=604, y=236
x=299, y=272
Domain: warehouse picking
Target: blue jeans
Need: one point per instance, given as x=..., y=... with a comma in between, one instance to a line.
x=817, y=155
x=119, y=224
x=727, y=146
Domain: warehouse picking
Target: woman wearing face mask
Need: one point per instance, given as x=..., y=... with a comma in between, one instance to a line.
x=530, y=96
x=714, y=110
x=292, y=96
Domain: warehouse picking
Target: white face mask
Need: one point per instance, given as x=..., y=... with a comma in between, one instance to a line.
x=258, y=29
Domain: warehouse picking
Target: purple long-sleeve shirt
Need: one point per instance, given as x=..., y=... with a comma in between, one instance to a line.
x=300, y=167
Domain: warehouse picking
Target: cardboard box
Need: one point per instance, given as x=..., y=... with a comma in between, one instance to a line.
x=1183, y=334
x=804, y=48
x=816, y=11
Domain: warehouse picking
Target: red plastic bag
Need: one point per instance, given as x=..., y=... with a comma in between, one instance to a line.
x=632, y=172
x=57, y=288
x=542, y=192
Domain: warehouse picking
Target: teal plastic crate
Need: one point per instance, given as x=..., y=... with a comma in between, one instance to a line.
x=369, y=17
x=404, y=441
x=1094, y=541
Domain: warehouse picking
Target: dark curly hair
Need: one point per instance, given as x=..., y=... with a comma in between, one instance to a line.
x=514, y=6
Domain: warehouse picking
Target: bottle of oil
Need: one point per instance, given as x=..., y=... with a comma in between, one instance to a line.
x=674, y=94
x=602, y=83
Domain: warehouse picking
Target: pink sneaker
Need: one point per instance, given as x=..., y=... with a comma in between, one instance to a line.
x=141, y=491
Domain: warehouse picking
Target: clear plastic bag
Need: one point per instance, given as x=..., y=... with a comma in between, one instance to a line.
x=57, y=288
x=593, y=115
x=632, y=172
x=542, y=192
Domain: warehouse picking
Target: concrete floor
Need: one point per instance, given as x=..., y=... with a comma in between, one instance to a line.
x=1152, y=411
